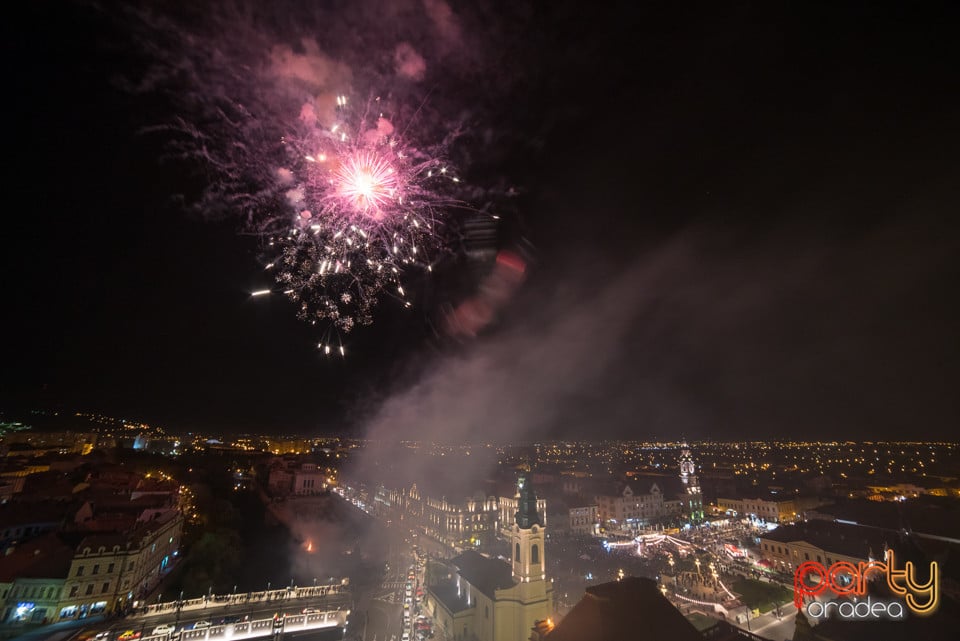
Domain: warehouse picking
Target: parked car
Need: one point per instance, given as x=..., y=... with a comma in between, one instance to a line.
x=166, y=628
x=201, y=624
x=230, y=619
x=129, y=635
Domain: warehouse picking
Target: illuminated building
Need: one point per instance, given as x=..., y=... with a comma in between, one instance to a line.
x=32, y=579
x=771, y=510
x=647, y=499
x=468, y=523
x=490, y=600
x=692, y=501
x=824, y=542
x=111, y=571
x=309, y=480
x=585, y=520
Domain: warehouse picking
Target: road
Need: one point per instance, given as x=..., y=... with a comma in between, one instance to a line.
x=773, y=627
x=384, y=611
x=383, y=621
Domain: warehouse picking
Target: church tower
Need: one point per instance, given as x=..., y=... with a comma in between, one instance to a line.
x=531, y=597
x=688, y=470
x=688, y=476
x=527, y=536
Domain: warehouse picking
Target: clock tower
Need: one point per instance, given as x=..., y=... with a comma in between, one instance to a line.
x=693, y=503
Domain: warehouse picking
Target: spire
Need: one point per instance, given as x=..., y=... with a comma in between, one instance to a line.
x=527, y=515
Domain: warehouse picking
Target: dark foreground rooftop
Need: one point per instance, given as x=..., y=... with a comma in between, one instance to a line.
x=629, y=609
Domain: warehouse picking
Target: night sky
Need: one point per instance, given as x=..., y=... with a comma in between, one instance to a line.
x=739, y=221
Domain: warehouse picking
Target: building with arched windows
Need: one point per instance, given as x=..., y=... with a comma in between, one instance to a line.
x=491, y=600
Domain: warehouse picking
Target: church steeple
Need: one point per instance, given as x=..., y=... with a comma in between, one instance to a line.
x=527, y=515
x=688, y=476
x=528, y=536
x=687, y=467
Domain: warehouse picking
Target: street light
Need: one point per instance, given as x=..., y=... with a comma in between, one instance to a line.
x=179, y=608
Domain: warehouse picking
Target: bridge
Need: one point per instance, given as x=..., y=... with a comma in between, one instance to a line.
x=278, y=597
x=259, y=628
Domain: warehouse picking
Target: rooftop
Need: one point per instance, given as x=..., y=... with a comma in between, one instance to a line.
x=47, y=557
x=849, y=540
x=486, y=574
x=934, y=518
x=624, y=610
x=446, y=593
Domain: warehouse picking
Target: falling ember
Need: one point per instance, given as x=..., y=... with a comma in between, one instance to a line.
x=260, y=292
x=309, y=546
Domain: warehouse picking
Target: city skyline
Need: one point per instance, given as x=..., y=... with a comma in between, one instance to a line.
x=165, y=534
x=731, y=224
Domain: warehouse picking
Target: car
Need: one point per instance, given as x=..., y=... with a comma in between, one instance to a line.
x=201, y=624
x=310, y=611
x=129, y=635
x=405, y=637
x=166, y=628
x=230, y=619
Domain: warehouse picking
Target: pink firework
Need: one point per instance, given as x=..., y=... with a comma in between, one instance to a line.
x=367, y=182
x=366, y=207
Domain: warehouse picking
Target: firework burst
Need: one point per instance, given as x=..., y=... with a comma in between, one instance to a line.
x=349, y=208
x=365, y=207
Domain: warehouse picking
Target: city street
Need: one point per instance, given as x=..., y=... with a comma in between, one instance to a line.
x=384, y=620
x=771, y=626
